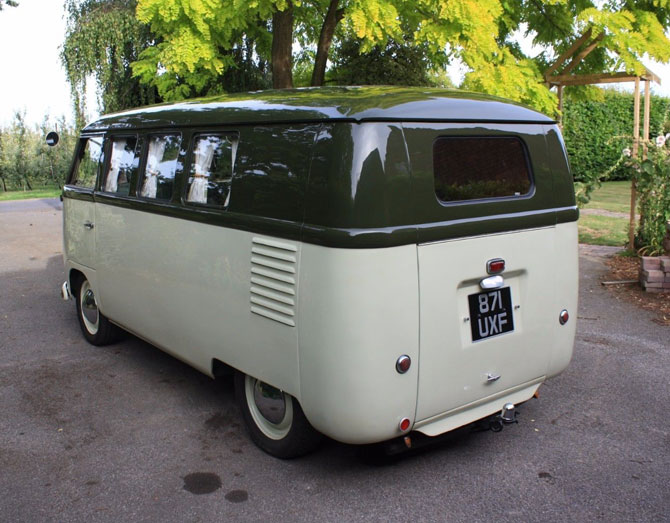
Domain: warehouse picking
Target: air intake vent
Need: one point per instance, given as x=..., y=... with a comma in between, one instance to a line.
x=273, y=266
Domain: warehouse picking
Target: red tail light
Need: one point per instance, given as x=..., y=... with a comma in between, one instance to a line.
x=495, y=266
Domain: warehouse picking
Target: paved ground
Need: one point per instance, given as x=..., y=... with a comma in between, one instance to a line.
x=127, y=433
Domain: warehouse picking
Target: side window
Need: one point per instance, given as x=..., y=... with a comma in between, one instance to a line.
x=123, y=163
x=158, y=178
x=477, y=167
x=212, y=169
x=88, y=164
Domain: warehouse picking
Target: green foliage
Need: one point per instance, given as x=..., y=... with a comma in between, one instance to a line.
x=397, y=63
x=27, y=162
x=653, y=185
x=103, y=38
x=597, y=131
x=628, y=29
x=505, y=76
x=9, y=3
x=199, y=39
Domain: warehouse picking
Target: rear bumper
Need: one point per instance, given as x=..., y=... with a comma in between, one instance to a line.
x=477, y=410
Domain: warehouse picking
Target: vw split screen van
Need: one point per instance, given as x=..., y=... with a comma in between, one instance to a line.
x=371, y=262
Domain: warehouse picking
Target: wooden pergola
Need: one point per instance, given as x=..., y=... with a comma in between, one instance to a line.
x=558, y=75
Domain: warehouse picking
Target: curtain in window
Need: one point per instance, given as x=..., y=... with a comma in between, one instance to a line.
x=118, y=151
x=233, y=150
x=204, y=153
x=154, y=158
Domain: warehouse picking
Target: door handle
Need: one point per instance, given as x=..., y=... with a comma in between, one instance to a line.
x=88, y=225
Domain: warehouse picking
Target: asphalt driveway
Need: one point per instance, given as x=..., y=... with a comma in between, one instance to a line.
x=127, y=433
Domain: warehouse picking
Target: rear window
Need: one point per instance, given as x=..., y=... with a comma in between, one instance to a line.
x=476, y=167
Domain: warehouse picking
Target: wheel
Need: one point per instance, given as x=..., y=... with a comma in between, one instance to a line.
x=274, y=419
x=96, y=328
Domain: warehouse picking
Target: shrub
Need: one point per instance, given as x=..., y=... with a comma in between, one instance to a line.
x=595, y=132
x=653, y=185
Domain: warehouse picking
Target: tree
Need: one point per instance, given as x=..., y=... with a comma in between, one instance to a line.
x=333, y=17
x=16, y=153
x=194, y=34
x=3, y=170
x=200, y=41
x=9, y=3
x=624, y=30
x=397, y=63
x=26, y=161
x=197, y=37
x=103, y=38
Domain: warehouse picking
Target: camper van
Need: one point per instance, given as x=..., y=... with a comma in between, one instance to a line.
x=371, y=263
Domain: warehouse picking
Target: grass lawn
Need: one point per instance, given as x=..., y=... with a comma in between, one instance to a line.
x=606, y=229
x=46, y=192
x=612, y=196
x=603, y=230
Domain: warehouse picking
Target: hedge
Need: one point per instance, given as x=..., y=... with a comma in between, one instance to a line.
x=596, y=132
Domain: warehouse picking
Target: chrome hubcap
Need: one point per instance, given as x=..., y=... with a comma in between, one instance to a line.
x=270, y=408
x=89, y=308
x=270, y=402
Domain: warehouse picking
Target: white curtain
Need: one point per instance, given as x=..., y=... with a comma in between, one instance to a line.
x=204, y=153
x=154, y=158
x=118, y=152
x=233, y=149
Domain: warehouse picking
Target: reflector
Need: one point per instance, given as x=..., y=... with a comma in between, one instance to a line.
x=403, y=363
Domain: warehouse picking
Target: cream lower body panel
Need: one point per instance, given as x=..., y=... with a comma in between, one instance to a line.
x=186, y=287
x=566, y=283
x=358, y=312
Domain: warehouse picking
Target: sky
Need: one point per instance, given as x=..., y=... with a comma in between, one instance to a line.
x=33, y=79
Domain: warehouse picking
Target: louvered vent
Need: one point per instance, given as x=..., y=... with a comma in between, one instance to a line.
x=273, y=266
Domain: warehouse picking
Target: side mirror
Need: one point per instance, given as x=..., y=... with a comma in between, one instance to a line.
x=52, y=138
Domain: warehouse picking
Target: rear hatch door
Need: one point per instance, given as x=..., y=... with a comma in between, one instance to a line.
x=483, y=193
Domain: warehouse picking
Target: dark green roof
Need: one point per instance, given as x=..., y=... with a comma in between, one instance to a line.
x=356, y=104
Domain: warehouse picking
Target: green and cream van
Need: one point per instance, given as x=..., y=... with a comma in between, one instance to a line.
x=371, y=263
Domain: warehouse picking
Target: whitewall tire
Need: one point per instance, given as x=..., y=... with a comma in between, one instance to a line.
x=95, y=327
x=274, y=419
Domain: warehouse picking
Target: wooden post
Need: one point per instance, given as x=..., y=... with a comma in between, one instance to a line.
x=647, y=110
x=559, y=91
x=636, y=146
x=645, y=137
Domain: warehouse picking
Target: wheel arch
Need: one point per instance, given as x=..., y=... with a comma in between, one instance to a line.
x=221, y=369
x=75, y=277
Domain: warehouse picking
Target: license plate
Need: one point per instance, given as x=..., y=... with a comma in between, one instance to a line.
x=491, y=313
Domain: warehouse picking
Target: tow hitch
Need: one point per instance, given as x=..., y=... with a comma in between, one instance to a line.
x=416, y=440
x=506, y=417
